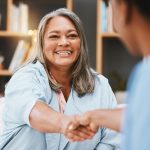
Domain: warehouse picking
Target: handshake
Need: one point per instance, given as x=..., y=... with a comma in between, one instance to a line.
x=83, y=127
x=80, y=127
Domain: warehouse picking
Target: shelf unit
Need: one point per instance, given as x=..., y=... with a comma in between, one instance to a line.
x=112, y=57
x=13, y=34
x=5, y=73
x=100, y=36
x=9, y=39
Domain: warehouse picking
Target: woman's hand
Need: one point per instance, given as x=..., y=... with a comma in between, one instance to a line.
x=88, y=120
x=79, y=132
x=44, y=119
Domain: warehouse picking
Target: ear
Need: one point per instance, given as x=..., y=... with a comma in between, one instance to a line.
x=125, y=12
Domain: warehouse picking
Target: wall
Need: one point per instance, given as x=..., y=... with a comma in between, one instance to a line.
x=88, y=17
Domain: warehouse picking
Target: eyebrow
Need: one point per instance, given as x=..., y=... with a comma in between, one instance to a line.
x=56, y=31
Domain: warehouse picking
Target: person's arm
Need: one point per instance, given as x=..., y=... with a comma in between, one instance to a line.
x=45, y=119
x=27, y=96
x=109, y=118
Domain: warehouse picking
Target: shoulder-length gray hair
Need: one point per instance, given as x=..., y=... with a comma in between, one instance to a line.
x=83, y=79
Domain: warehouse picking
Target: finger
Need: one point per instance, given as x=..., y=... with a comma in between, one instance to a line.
x=90, y=129
x=73, y=126
x=74, y=137
x=83, y=132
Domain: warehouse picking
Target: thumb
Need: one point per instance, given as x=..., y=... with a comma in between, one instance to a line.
x=79, y=121
x=74, y=124
x=83, y=120
x=94, y=127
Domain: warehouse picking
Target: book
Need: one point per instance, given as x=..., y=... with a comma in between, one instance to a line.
x=23, y=22
x=104, y=19
x=19, y=18
x=14, y=19
x=19, y=55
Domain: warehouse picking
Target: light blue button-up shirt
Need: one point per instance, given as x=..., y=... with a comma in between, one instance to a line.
x=137, y=120
x=30, y=84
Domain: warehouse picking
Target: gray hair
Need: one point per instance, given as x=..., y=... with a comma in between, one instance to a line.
x=83, y=79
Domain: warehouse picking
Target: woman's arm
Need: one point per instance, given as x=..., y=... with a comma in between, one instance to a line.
x=45, y=119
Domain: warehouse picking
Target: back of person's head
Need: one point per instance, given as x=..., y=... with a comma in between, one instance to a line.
x=143, y=6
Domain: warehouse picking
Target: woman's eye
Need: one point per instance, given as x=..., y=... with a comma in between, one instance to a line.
x=73, y=36
x=53, y=37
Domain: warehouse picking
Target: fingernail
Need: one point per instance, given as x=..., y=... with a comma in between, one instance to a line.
x=70, y=127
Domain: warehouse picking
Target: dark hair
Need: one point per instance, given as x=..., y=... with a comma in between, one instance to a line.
x=143, y=6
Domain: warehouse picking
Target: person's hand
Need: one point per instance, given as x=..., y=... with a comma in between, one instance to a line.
x=88, y=120
x=108, y=118
x=78, y=132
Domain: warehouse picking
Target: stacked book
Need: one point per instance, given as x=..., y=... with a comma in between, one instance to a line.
x=106, y=19
x=21, y=54
x=19, y=18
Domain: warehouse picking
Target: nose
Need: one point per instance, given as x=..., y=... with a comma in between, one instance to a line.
x=63, y=41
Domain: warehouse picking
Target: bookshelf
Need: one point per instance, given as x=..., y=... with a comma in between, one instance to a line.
x=5, y=73
x=10, y=37
x=100, y=36
x=112, y=57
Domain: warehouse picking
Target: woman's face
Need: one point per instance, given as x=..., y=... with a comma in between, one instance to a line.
x=61, y=42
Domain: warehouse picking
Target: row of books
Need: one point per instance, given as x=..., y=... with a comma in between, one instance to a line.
x=106, y=18
x=19, y=18
x=23, y=52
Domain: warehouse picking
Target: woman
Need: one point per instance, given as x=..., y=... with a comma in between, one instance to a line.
x=131, y=19
x=58, y=82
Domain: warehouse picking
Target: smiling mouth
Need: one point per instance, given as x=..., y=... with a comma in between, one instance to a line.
x=64, y=53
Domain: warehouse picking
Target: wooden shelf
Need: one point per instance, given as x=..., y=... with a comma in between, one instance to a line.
x=5, y=73
x=9, y=39
x=110, y=35
x=13, y=34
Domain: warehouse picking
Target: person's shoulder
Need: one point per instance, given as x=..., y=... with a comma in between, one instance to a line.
x=31, y=68
x=101, y=78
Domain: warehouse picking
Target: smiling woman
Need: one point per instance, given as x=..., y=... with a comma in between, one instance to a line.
x=46, y=95
x=61, y=31
x=61, y=43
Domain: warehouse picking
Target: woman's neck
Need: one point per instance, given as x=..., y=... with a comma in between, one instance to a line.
x=63, y=77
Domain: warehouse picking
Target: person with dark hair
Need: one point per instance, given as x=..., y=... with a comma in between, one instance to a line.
x=46, y=95
x=131, y=19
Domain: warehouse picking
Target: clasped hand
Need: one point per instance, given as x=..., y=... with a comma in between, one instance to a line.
x=80, y=127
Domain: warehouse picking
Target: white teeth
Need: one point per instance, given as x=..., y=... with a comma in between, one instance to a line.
x=63, y=52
